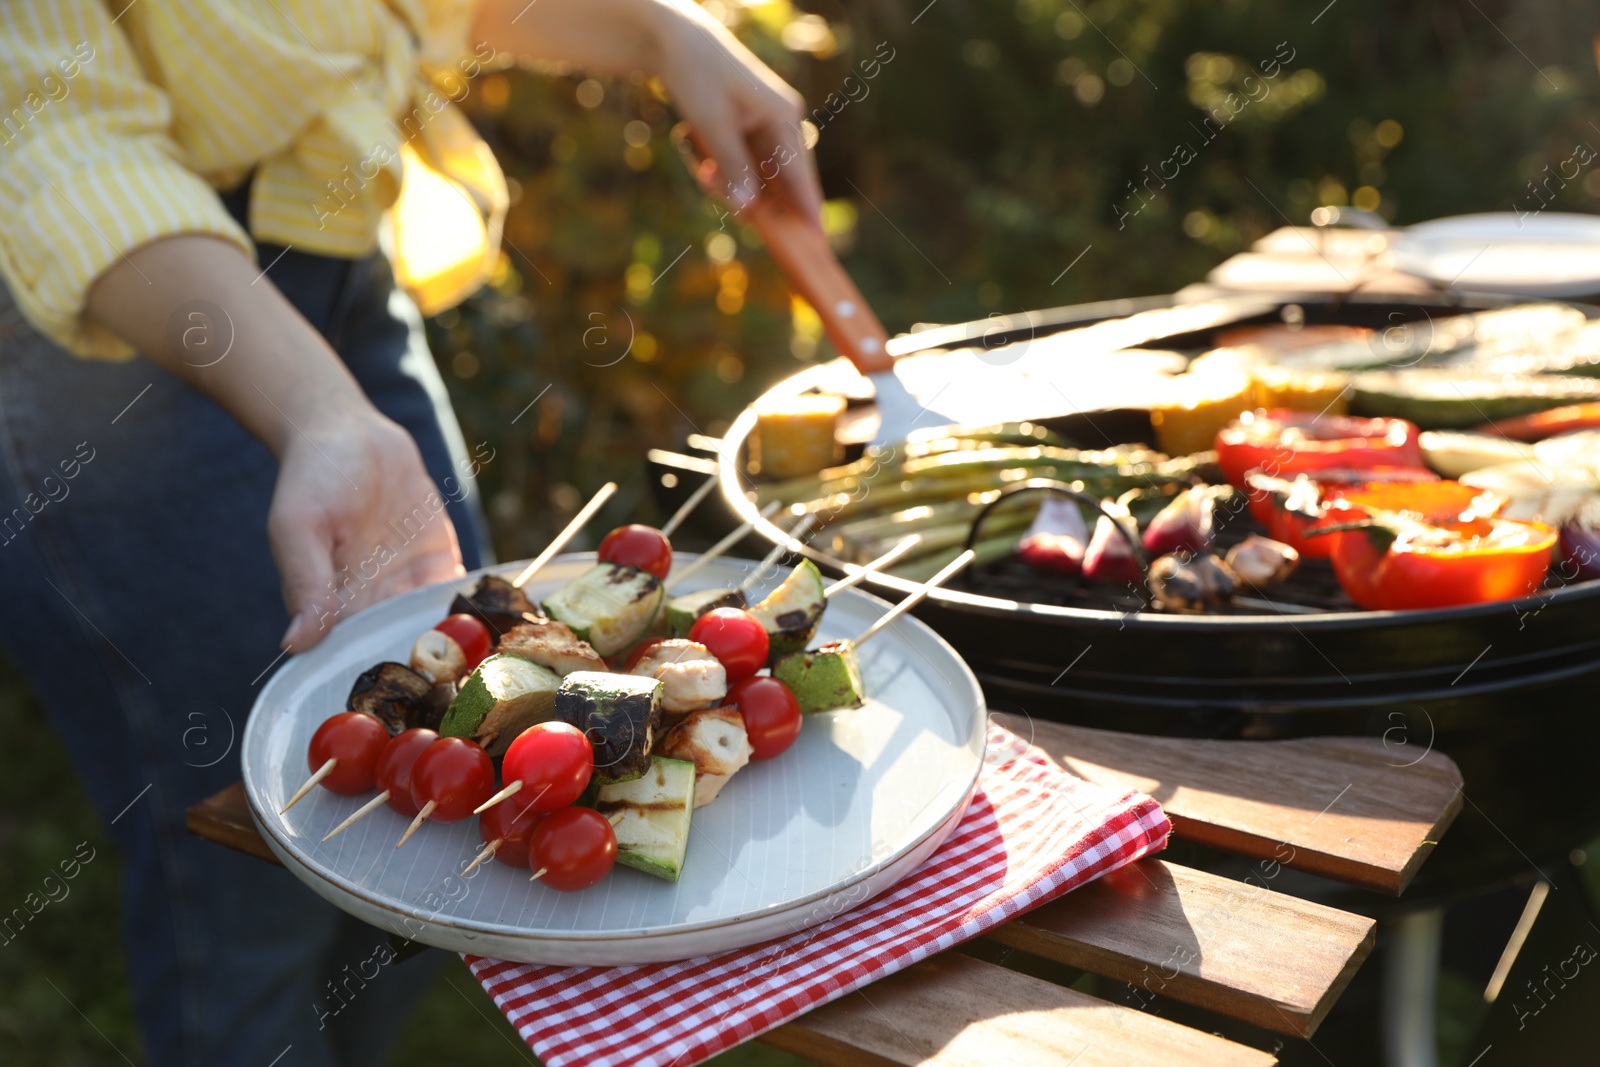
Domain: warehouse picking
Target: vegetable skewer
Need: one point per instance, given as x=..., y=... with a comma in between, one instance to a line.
x=860, y=572
x=689, y=505
x=948, y=571
x=343, y=751
x=796, y=534
x=719, y=548
x=561, y=539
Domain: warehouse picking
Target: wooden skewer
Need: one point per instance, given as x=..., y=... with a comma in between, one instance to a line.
x=489, y=850
x=505, y=794
x=717, y=549
x=797, y=534
x=855, y=576
x=614, y=819
x=916, y=598
x=688, y=506
x=540, y=873
x=571, y=531
x=422, y=817
x=360, y=813
x=321, y=773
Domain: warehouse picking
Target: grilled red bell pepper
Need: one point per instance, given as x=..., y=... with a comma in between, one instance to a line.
x=1288, y=508
x=1543, y=424
x=1285, y=443
x=1389, y=562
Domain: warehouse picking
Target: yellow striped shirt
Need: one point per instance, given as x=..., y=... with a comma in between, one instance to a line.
x=120, y=120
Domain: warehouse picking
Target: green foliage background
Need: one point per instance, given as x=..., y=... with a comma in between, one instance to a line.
x=987, y=155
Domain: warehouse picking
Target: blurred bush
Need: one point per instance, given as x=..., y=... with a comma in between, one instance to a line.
x=973, y=150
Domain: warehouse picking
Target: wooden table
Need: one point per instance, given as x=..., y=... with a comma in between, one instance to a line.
x=1336, y=807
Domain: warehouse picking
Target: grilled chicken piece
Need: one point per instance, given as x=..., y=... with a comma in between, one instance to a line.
x=551, y=644
x=714, y=740
x=691, y=677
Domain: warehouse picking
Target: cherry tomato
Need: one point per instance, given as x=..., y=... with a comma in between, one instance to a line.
x=392, y=772
x=456, y=775
x=553, y=761
x=470, y=633
x=636, y=545
x=735, y=637
x=574, y=847
x=771, y=714
x=510, y=822
x=354, y=738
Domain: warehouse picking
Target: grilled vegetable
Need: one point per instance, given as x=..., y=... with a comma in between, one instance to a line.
x=795, y=435
x=825, y=678
x=1548, y=423
x=497, y=602
x=551, y=644
x=1455, y=454
x=501, y=698
x=609, y=605
x=656, y=810
x=1186, y=525
x=682, y=611
x=619, y=713
x=430, y=710
x=714, y=740
x=1290, y=507
x=1196, y=406
x=792, y=612
x=691, y=677
x=391, y=691
x=1445, y=400
x=1192, y=583
x=1110, y=557
x=1056, y=538
x=437, y=657
x=1261, y=561
x=1284, y=443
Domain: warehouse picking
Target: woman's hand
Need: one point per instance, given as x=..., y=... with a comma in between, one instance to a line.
x=745, y=117
x=355, y=519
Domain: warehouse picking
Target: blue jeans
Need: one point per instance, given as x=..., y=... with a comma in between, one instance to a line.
x=141, y=602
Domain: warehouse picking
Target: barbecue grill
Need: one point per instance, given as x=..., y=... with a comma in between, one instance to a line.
x=1497, y=686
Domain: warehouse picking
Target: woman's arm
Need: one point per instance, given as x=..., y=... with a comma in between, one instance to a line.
x=345, y=471
x=747, y=117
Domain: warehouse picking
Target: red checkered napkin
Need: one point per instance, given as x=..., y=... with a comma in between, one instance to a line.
x=1031, y=833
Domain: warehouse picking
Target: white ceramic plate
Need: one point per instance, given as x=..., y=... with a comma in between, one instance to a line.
x=861, y=799
x=1551, y=254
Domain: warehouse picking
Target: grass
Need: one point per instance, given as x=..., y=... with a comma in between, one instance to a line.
x=64, y=996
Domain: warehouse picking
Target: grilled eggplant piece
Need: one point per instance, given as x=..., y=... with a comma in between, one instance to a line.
x=392, y=693
x=825, y=678
x=715, y=741
x=691, y=677
x=792, y=612
x=498, y=603
x=656, y=809
x=431, y=708
x=551, y=644
x=619, y=713
x=682, y=611
x=503, y=696
x=610, y=606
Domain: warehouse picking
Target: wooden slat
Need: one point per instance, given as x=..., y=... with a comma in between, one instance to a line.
x=1238, y=948
x=955, y=1011
x=225, y=818
x=1346, y=808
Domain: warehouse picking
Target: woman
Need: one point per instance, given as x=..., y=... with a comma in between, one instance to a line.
x=204, y=184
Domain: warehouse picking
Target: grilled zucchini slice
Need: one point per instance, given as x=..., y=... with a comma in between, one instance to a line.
x=503, y=696
x=619, y=713
x=792, y=612
x=656, y=809
x=610, y=606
